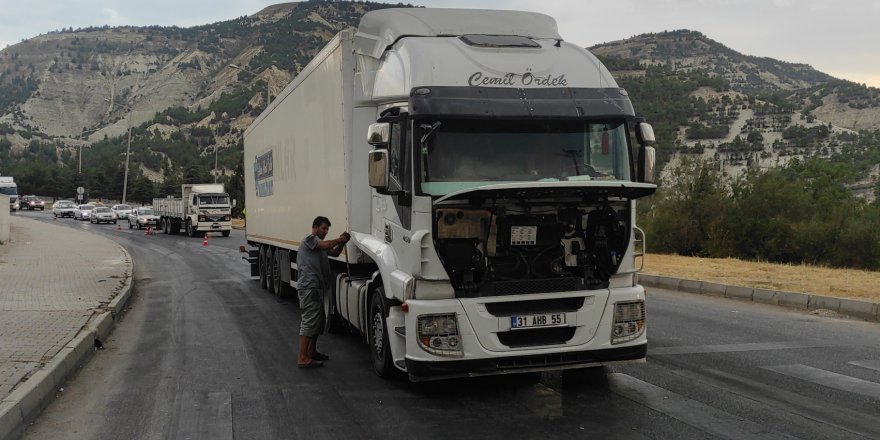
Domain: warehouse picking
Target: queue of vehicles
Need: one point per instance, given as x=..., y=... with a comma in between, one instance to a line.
x=203, y=208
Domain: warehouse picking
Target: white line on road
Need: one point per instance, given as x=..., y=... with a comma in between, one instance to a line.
x=829, y=379
x=872, y=365
x=727, y=348
x=699, y=415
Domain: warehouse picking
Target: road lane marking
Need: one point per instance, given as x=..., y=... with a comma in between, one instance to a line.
x=829, y=379
x=691, y=412
x=853, y=423
x=871, y=365
x=728, y=348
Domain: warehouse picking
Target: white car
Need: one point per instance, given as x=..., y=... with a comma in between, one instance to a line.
x=102, y=214
x=63, y=208
x=143, y=217
x=82, y=212
x=122, y=211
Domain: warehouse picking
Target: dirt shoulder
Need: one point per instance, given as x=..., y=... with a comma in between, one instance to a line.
x=841, y=283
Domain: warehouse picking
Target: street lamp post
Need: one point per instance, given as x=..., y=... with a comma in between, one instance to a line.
x=127, y=149
x=268, y=80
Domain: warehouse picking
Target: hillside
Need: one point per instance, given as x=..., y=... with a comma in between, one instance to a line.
x=77, y=88
x=739, y=111
x=73, y=90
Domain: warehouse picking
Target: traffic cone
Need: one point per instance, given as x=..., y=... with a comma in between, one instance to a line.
x=118, y=227
x=149, y=231
x=205, y=241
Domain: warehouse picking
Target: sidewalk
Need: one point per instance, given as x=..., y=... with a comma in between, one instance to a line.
x=59, y=289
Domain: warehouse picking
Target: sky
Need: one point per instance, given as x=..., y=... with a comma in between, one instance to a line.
x=840, y=38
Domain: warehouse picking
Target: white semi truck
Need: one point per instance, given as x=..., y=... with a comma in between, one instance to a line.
x=488, y=172
x=202, y=208
x=9, y=188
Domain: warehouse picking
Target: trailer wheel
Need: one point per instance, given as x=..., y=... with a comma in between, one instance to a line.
x=261, y=262
x=380, y=348
x=276, y=286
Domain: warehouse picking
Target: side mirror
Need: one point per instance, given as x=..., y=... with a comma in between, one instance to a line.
x=378, y=169
x=645, y=134
x=379, y=134
x=647, y=160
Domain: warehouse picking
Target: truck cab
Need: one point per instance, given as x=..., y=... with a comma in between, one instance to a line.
x=506, y=167
x=9, y=188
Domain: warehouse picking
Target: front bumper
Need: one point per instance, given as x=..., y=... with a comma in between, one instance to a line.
x=213, y=226
x=427, y=370
x=490, y=346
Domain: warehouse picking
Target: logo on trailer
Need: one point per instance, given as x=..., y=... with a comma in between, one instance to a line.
x=527, y=79
x=263, y=174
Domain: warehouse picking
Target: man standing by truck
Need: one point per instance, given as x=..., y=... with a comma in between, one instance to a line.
x=314, y=281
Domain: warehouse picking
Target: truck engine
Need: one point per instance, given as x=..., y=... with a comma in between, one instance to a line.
x=519, y=248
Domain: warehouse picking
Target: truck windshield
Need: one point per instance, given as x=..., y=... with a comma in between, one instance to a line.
x=8, y=190
x=213, y=200
x=462, y=154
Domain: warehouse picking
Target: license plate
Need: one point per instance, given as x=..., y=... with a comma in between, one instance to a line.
x=541, y=320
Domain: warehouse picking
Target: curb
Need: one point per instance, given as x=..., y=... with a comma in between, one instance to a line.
x=29, y=399
x=866, y=310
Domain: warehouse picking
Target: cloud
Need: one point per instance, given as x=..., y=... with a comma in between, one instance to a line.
x=113, y=17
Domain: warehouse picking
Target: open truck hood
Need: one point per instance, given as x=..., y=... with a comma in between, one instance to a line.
x=584, y=189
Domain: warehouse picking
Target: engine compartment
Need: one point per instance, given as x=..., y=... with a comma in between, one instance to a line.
x=516, y=247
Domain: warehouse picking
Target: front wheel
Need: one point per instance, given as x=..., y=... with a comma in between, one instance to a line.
x=190, y=229
x=380, y=349
x=226, y=233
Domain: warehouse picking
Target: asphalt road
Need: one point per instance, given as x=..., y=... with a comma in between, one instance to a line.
x=203, y=352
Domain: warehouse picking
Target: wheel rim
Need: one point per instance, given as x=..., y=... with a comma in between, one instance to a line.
x=378, y=336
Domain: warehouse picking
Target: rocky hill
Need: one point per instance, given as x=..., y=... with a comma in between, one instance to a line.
x=740, y=112
x=77, y=88
x=74, y=90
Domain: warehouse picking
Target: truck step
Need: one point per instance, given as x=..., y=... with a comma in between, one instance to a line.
x=400, y=363
x=401, y=330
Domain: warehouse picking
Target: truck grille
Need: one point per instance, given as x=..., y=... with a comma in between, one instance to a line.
x=537, y=306
x=531, y=338
x=522, y=287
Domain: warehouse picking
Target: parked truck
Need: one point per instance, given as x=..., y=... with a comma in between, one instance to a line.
x=488, y=172
x=202, y=208
x=9, y=188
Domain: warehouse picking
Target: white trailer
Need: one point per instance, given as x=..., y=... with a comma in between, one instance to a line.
x=486, y=171
x=202, y=208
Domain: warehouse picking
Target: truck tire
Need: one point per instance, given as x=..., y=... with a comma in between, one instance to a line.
x=226, y=233
x=190, y=230
x=377, y=334
x=262, y=265
x=275, y=284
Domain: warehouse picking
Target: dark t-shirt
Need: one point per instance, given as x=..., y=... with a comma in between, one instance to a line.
x=313, y=264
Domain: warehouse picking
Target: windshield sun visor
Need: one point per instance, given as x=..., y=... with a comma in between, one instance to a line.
x=504, y=102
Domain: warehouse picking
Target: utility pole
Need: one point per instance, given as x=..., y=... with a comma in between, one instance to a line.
x=127, y=149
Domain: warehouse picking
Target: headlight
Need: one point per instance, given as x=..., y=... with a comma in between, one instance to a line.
x=438, y=334
x=202, y=218
x=629, y=321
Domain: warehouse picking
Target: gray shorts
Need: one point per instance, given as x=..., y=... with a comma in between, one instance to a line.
x=311, y=305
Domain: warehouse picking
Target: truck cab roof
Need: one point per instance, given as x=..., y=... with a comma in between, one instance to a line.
x=384, y=27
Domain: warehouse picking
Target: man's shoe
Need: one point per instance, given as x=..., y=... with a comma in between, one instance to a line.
x=312, y=364
x=318, y=356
